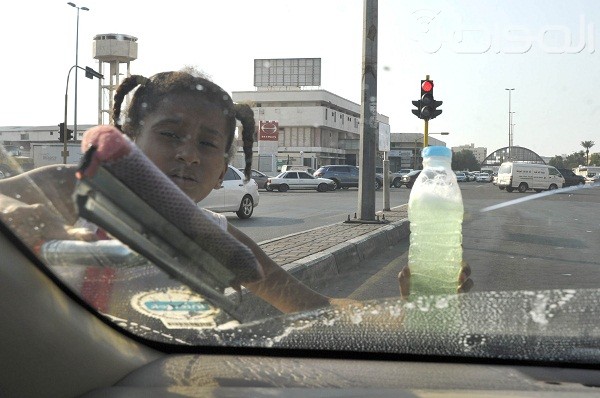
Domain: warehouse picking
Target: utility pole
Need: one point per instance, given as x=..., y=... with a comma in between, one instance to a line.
x=510, y=143
x=369, y=126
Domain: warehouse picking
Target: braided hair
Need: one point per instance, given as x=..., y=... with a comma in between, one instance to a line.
x=152, y=90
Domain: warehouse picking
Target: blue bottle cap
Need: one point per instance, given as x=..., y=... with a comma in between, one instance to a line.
x=437, y=151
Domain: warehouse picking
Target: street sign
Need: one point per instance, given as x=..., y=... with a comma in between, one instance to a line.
x=268, y=130
x=384, y=137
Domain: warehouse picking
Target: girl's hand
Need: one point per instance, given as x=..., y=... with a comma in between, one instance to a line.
x=464, y=282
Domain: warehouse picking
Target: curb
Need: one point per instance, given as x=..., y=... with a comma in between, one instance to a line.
x=329, y=263
x=347, y=256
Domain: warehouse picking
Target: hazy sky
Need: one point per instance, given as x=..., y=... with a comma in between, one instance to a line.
x=546, y=50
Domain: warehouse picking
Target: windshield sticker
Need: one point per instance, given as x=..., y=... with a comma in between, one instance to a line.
x=176, y=308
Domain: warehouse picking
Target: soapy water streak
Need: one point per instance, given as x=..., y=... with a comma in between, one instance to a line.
x=538, y=196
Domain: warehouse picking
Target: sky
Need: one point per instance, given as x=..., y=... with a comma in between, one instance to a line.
x=547, y=50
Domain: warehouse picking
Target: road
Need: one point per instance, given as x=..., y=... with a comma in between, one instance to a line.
x=548, y=243
x=281, y=214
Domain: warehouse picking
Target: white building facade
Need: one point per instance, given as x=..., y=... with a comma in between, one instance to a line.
x=479, y=152
x=315, y=127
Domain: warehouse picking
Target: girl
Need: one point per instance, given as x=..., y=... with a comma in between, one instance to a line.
x=185, y=125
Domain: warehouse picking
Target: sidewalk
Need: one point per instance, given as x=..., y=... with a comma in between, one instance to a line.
x=334, y=249
x=327, y=252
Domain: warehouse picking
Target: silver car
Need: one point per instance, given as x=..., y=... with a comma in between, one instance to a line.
x=299, y=180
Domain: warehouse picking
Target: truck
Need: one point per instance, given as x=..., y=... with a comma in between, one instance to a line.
x=524, y=176
x=45, y=154
x=587, y=171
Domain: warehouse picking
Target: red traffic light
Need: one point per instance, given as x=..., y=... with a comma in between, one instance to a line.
x=427, y=86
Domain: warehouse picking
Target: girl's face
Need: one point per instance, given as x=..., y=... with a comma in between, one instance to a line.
x=186, y=138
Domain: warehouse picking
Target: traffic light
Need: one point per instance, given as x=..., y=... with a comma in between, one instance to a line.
x=61, y=132
x=417, y=112
x=90, y=73
x=427, y=105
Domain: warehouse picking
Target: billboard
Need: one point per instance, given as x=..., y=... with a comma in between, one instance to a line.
x=296, y=72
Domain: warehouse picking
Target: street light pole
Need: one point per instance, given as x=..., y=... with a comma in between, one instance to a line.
x=89, y=73
x=509, y=123
x=76, y=64
x=369, y=125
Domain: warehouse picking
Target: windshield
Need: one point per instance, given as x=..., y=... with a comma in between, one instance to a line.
x=156, y=234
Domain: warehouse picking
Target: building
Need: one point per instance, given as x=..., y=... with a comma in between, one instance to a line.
x=479, y=152
x=405, y=150
x=314, y=127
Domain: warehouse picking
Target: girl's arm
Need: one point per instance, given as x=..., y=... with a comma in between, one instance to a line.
x=38, y=205
x=278, y=287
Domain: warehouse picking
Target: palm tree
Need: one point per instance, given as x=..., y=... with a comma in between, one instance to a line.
x=587, y=145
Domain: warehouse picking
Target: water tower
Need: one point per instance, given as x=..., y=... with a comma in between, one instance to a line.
x=112, y=49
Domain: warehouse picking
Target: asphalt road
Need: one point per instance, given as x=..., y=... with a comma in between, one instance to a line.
x=281, y=214
x=548, y=243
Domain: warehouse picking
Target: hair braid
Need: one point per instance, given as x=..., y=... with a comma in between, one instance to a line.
x=245, y=115
x=125, y=88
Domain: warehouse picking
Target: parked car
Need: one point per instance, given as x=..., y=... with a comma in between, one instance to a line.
x=410, y=178
x=394, y=178
x=592, y=179
x=259, y=177
x=234, y=195
x=484, y=177
x=571, y=178
x=289, y=167
x=345, y=176
x=461, y=177
x=299, y=180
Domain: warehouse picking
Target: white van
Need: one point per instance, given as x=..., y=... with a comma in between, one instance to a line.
x=524, y=176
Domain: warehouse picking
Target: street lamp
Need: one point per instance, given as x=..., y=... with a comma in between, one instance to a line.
x=509, y=122
x=90, y=74
x=76, y=63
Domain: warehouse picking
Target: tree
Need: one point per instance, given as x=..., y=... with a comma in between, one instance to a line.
x=595, y=159
x=557, y=162
x=575, y=159
x=464, y=160
x=587, y=145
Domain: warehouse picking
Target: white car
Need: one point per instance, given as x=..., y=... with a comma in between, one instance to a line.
x=461, y=177
x=234, y=195
x=484, y=177
x=592, y=179
x=299, y=180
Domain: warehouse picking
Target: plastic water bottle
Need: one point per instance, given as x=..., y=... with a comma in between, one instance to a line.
x=435, y=212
